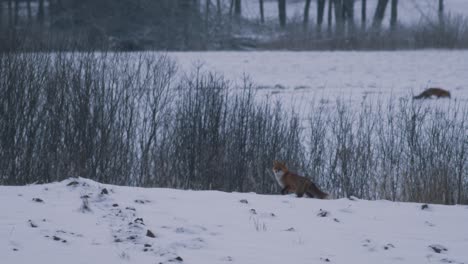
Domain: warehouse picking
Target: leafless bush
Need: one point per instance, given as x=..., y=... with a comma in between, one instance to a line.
x=76, y=114
x=396, y=150
x=222, y=139
x=124, y=119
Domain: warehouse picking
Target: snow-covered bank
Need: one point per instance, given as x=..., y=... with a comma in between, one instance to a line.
x=217, y=227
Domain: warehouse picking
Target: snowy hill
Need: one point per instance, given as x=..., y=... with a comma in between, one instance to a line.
x=81, y=221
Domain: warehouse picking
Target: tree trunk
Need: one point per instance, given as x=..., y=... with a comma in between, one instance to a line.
x=348, y=11
x=363, y=14
x=237, y=8
x=339, y=16
x=306, y=13
x=207, y=12
x=218, y=6
x=29, y=11
x=10, y=13
x=16, y=12
x=379, y=13
x=330, y=14
x=441, y=11
x=40, y=12
x=262, y=13
x=282, y=12
x=394, y=14
x=320, y=12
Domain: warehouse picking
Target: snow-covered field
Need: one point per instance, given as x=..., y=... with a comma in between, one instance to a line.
x=218, y=227
x=299, y=78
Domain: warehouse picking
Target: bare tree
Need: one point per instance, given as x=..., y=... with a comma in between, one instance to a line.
x=320, y=13
x=16, y=17
x=363, y=14
x=306, y=13
x=379, y=13
x=338, y=4
x=10, y=13
x=40, y=12
x=262, y=13
x=282, y=12
x=348, y=13
x=218, y=6
x=29, y=11
x=330, y=14
x=441, y=11
x=237, y=8
x=394, y=14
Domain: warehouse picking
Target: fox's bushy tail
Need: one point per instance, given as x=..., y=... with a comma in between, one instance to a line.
x=316, y=192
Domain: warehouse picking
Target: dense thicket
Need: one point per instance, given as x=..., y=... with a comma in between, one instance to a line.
x=127, y=119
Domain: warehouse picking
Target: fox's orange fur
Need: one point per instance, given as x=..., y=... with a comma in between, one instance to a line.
x=428, y=93
x=291, y=182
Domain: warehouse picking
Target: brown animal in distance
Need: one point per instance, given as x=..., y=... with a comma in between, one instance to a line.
x=437, y=92
x=291, y=182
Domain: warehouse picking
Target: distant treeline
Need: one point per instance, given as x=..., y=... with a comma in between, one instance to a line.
x=130, y=25
x=129, y=119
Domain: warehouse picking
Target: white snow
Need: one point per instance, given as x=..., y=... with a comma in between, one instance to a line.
x=299, y=79
x=215, y=227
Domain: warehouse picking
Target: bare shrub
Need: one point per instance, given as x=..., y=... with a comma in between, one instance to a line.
x=396, y=150
x=125, y=119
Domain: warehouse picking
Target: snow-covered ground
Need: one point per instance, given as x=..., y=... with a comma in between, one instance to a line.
x=299, y=78
x=218, y=227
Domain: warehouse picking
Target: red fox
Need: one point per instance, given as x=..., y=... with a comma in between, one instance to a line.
x=291, y=182
x=428, y=93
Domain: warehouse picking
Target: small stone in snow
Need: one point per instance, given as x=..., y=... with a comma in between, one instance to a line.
x=32, y=224
x=322, y=213
x=38, y=200
x=424, y=206
x=438, y=248
x=244, y=201
x=104, y=191
x=150, y=234
x=178, y=258
x=73, y=183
